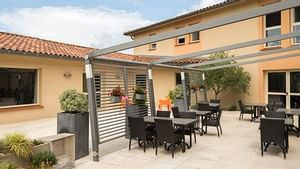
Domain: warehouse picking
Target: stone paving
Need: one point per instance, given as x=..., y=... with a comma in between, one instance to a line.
x=237, y=148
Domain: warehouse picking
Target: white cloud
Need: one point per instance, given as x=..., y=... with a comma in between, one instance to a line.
x=98, y=27
x=201, y=4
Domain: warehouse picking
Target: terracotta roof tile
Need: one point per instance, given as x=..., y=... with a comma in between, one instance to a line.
x=21, y=43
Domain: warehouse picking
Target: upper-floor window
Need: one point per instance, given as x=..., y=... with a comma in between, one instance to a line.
x=152, y=46
x=296, y=23
x=273, y=27
x=18, y=86
x=195, y=36
x=180, y=40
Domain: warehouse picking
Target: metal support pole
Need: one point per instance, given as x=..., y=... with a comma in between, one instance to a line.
x=92, y=108
x=151, y=91
x=184, y=90
x=125, y=77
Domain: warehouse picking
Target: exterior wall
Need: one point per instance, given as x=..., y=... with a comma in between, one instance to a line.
x=163, y=81
x=51, y=83
x=231, y=34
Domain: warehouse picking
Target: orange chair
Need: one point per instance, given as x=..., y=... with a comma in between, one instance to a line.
x=164, y=102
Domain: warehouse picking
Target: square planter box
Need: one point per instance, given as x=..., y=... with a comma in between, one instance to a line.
x=77, y=124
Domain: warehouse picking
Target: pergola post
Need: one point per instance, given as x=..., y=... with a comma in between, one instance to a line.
x=151, y=91
x=182, y=75
x=92, y=108
x=204, y=90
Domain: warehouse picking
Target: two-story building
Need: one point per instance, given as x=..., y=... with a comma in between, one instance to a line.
x=271, y=81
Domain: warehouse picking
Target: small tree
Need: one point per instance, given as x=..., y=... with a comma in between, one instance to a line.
x=230, y=78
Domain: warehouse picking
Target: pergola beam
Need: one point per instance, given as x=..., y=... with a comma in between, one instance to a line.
x=254, y=61
x=247, y=56
x=230, y=47
x=240, y=16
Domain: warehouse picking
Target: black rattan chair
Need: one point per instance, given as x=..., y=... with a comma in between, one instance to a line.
x=245, y=110
x=213, y=122
x=160, y=113
x=165, y=134
x=191, y=129
x=175, y=111
x=139, y=131
x=215, y=101
x=273, y=130
x=204, y=106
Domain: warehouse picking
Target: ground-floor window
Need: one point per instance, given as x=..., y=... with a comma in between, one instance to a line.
x=18, y=86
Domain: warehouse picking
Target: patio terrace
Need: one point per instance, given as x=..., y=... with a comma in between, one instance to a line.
x=238, y=148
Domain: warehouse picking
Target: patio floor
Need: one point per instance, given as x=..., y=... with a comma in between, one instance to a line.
x=238, y=148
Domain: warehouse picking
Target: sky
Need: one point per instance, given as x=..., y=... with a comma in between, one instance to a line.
x=92, y=23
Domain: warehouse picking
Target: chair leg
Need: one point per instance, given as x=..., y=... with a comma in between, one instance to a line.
x=220, y=128
x=191, y=139
x=205, y=129
x=144, y=146
x=218, y=131
x=195, y=136
x=284, y=150
x=173, y=147
x=262, y=148
x=240, y=116
x=155, y=147
x=129, y=143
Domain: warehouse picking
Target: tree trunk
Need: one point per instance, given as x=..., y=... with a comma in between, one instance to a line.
x=196, y=96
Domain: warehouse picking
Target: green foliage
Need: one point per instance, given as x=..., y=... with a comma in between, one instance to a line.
x=37, y=142
x=3, y=147
x=7, y=165
x=18, y=144
x=72, y=101
x=44, y=159
x=230, y=78
x=177, y=93
x=233, y=108
x=196, y=80
x=139, y=90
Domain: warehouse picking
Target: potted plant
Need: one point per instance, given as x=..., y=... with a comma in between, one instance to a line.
x=177, y=97
x=75, y=119
x=139, y=93
x=116, y=94
x=45, y=159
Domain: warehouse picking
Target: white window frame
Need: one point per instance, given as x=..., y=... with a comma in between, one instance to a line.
x=293, y=26
x=268, y=29
x=180, y=37
x=151, y=44
x=191, y=37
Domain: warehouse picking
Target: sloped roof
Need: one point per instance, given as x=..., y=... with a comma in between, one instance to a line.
x=28, y=44
x=183, y=16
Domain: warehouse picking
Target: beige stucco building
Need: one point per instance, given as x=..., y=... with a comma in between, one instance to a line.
x=274, y=81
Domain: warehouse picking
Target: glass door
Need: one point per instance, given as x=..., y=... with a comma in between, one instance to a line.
x=277, y=88
x=294, y=81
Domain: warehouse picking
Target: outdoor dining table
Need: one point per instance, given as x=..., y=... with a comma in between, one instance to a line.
x=200, y=116
x=256, y=107
x=181, y=122
x=294, y=112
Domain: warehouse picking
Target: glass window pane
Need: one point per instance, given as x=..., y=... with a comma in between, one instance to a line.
x=279, y=100
x=295, y=102
x=273, y=19
x=276, y=82
x=195, y=36
x=297, y=14
x=178, y=79
x=17, y=86
x=295, y=82
x=273, y=32
x=297, y=29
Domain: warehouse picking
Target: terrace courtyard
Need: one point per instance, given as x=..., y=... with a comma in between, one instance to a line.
x=238, y=147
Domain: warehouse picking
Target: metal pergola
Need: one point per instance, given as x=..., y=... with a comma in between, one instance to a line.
x=241, y=16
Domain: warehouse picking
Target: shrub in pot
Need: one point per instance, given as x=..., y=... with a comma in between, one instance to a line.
x=176, y=97
x=75, y=119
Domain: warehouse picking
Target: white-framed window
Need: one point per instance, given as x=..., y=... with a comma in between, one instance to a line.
x=180, y=40
x=273, y=27
x=152, y=46
x=296, y=23
x=195, y=36
x=18, y=86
